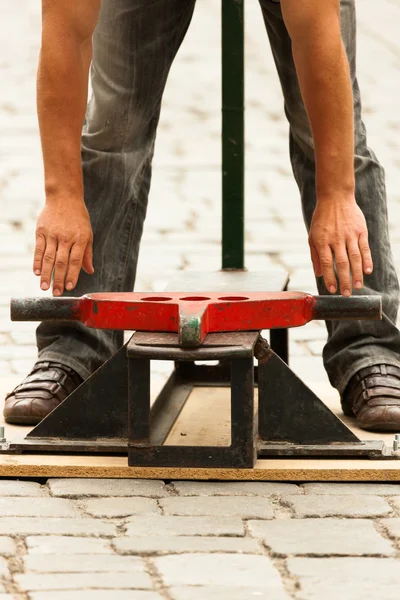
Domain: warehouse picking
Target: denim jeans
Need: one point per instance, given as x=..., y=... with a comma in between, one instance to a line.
x=135, y=43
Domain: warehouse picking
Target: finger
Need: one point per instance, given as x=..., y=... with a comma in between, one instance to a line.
x=354, y=255
x=48, y=263
x=328, y=272
x=38, y=255
x=60, y=269
x=315, y=261
x=343, y=270
x=88, y=259
x=363, y=244
x=74, y=266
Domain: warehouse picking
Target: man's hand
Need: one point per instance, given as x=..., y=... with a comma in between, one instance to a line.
x=338, y=236
x=64, y=242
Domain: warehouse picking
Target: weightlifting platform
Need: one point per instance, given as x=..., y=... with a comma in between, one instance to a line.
x=231, y=409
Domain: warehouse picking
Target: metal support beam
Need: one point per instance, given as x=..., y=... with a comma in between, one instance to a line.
x=233, y=134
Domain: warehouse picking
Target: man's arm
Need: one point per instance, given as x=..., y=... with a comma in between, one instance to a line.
x=338, y=227
x=63, y=234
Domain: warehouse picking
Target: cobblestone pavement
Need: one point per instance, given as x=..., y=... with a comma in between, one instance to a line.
x=184, y=541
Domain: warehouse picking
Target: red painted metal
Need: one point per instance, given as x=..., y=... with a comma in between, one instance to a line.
x=193, y=316
x=233, y=312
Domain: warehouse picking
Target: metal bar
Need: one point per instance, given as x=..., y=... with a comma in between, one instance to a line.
x=210, y=313
x=243, y=422
x=139, y=400
x=327, y=308
x=43, y=309
x=232, y=134
x=375, y=450
x=279, y=340
x=167, y=407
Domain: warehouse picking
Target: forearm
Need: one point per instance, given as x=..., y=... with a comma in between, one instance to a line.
x=62, y=87
x=325, y=83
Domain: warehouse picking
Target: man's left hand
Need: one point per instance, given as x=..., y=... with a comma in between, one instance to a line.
x=338, y=236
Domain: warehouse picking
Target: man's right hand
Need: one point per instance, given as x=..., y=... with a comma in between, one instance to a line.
x=64, y=242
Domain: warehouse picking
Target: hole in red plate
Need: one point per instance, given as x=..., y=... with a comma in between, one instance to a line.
x=156, y=299
x=195, y=298
x=233, y=298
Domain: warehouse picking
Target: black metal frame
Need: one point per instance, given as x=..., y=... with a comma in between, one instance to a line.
x=110, y=413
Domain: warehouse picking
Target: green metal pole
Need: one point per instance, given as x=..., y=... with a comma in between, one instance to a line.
x=233, y=134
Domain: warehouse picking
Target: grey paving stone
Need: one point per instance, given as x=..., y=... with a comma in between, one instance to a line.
x=3, y=566
x=225, y=570
x=7, y=546
x=244, y=507
x=82, y=563
x=121, y=507
x=95, y=595
x=393, y=526
x=40, y=507
x=395, y=501
x=225, y=593
x=9, y=487
x=234, y=488
x=107, y=487
x=347, y=578
x=62, y=544
x=338, y=506
x=341, y=489
x=52, y=526
x=181, y=544
x=322, y=536
x=152, y=526
x=40, y=582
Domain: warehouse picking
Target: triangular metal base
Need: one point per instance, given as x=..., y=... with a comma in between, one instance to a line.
x=97, y=409
x=289, y=411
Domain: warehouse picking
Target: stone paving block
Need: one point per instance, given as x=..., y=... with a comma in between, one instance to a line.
x=342, y=489
x=62, y=544
x=244, y=507
x=121, y=507
x=207, y=526
x=107, y=487
x=395, y=501
x=7, y=546
x=51, y=526
x=346, y=537
x=95, y=595
x=338, y=506
x=393, y=526
x=234, y=488
x=180, y=544
x=224, y=593
x=82, y=563
x=225, y=570
x=3, y=566
x=347, y=578
x=9, y=487
x=131, y=580
x=39, y=507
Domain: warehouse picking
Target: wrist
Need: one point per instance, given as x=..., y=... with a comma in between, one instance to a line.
x=56, y=193
x=336, y=198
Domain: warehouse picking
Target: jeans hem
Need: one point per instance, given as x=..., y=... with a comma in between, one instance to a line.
x=371, y=361
x=67, y=361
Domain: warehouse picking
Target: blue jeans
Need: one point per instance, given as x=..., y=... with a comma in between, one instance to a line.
x=135, y=43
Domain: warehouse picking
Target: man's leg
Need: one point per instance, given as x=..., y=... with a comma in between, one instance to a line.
x=134, y=45
x=351, y=346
